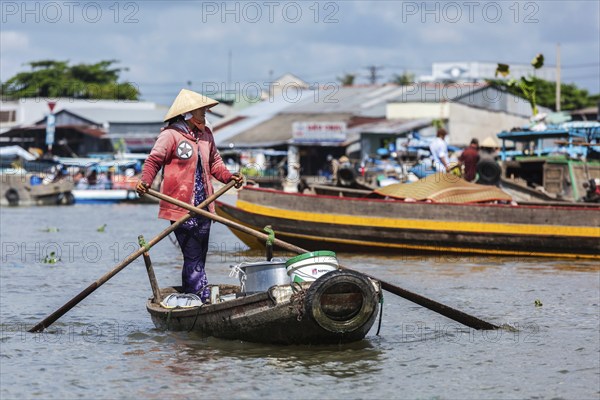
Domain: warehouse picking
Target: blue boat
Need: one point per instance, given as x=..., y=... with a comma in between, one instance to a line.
x=561, y=162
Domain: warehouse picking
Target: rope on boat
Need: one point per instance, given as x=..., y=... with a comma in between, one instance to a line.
x=169, y=318
x=237, y=272
x=195, y=319
x=380, y=313
x=142, y=242
x=296, y=287
x=297, y=300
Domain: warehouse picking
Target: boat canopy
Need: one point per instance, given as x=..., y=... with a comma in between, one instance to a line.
x=16, y=152
x=577, y=138
x=98, y=164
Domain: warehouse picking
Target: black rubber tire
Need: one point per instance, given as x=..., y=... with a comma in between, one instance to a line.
x=12, y=196
x=312, y=302
x=69, y=198
x=65, y=199
x=489, y=172
x=346, y=177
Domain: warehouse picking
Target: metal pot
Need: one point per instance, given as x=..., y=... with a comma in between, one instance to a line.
x=260, y=276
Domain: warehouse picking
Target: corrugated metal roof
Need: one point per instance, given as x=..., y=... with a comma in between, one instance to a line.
x=30, y=110
x=253, y=125
x=248, y=118
x=279, y=129
x=342, y=99
x=42, y=128
x=392, y=126
x=427, y=92
x=122, y=116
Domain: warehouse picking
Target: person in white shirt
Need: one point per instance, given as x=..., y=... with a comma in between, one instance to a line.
x=439, y=152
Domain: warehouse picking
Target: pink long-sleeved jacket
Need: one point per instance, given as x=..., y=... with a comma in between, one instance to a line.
x=177, y=150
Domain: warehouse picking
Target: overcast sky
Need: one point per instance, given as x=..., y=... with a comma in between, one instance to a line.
x=165, y=44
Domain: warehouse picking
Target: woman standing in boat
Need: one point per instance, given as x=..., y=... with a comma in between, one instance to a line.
x=186, y=150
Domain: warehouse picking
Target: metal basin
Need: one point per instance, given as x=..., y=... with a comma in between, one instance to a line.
x=260, y=276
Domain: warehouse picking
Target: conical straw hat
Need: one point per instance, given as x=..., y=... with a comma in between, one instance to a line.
x=187, y=101
x=489, y=142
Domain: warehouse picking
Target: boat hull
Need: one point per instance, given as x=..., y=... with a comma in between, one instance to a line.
x=284, y=315
x=19, y=189
x=363, y=225
x=103, y=196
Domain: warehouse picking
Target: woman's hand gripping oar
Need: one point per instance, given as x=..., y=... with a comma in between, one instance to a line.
x=50, y=319
x=452, y=313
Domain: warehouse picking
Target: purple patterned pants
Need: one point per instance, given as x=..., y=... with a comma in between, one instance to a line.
x=192, y=236
x=193, y=241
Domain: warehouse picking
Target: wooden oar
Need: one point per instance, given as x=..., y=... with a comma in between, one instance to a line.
x=50, y=319
x=447, y=311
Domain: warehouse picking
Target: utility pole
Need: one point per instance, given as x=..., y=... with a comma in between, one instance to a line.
x=229, y=70
x=373, y=74
x=50, y=126
x=557, y=77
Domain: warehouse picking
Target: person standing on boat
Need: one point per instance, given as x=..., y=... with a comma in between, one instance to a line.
x=186, y=150
x=469, y=158
x=439, y=152
x=334, y=166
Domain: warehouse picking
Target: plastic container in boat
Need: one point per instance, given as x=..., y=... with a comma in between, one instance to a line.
x=308, y=267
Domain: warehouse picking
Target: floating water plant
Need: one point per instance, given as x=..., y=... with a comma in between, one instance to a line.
x=101, y=228
x=51, y=258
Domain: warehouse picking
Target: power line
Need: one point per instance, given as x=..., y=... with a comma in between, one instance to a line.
x=573, y=66
x=373, y=76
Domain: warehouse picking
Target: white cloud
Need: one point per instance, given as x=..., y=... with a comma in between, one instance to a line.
x=441, y=35
x=13, y=41
x=14, y=47
x=173, y=42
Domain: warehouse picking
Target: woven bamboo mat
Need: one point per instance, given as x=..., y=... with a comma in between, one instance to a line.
x=444, y=188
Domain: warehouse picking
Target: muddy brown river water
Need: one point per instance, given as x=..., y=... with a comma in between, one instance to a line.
x=107, y=346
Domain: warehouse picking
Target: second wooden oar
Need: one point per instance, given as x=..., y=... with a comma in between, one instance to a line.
x=50, y=319
x=447, y=311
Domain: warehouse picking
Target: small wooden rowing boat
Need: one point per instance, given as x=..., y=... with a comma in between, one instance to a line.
x=339, y=307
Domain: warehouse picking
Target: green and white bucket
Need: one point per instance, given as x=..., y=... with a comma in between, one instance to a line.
x=308, y=267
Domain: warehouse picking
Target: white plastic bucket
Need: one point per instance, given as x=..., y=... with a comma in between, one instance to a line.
x=308, y=267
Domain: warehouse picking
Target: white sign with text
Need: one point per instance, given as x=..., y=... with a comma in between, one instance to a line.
x=319, y=131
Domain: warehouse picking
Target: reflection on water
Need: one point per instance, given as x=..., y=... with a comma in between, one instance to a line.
x=344, y=361
x=107, y=347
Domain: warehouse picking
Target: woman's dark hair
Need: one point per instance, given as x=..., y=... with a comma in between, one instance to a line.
x=174, y=119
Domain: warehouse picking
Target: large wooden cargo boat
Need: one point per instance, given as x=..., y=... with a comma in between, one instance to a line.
x=378, y=225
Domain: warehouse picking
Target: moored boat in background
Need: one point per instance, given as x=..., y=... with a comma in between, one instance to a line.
x=556, y=163
x=25, y=181
x=100, y=181
x=22, y=188
x=382, y=225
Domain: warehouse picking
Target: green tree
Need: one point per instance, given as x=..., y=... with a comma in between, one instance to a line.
x=406, y=78
x=571, y=97
x=347, y=79
x=525, y=84
x=49, y=78
x=542, y=92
